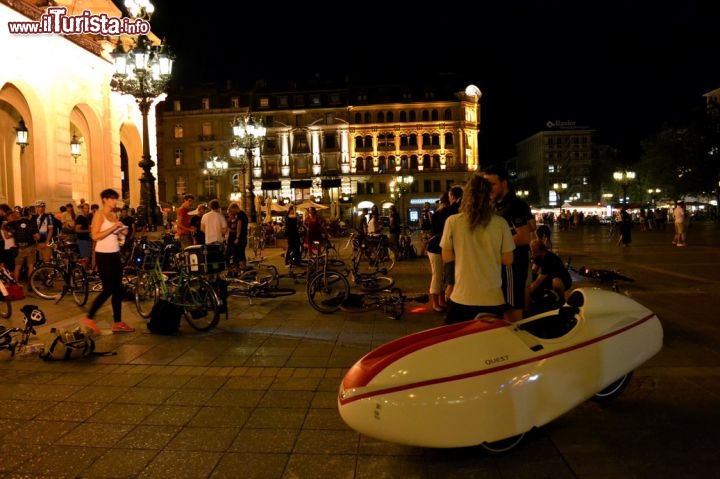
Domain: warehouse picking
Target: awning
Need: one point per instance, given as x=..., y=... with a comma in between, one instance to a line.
x=270, y=185
x=300, y=183
x=330, y=183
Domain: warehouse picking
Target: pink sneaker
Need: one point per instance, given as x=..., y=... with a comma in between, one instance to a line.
x=90, y=324
x=122, y=327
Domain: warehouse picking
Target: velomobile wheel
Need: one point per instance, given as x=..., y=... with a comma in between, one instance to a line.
x=614, y=389
x=503, y=445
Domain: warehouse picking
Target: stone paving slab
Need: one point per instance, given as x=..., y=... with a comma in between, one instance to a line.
x=256, y=397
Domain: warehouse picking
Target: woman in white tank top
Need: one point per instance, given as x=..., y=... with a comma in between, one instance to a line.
x=105, y=229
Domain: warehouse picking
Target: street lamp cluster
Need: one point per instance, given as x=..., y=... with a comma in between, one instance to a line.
x=624, y=177
x=143, y=72
x=248, y=135
x=399, y=187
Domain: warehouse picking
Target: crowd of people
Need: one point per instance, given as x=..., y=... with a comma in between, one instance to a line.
x=485, y=251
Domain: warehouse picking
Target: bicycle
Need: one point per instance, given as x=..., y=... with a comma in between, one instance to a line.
x=405, y=247
x=377, y=250
x=32, y=317
x=367, y=281
x=263, y=281
x=185, y=288
x=390, y=300
x=64, y=274
x=327, y=288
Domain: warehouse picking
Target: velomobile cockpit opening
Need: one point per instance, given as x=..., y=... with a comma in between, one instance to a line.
x=554, y=325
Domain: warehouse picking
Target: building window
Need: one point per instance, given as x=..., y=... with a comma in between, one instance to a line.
x=330, y=141
x=209, y=187
x=315, y=100
x=177, y=105
x=235, y=102
x=403, y=116
x=264, y=102
x=298, y=100
x=178, y=156
x=206, y=130
x=178, y=131
x=383, y=188
x=380, y=117
x=334, y=98
x=180, y=186
x=413, y=116
x=206, y=103
x=283, y=101
x=448, y=115
x=390, y=117
x=448, y=139
x=358, y=118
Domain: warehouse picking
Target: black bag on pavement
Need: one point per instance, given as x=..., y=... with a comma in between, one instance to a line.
x=165, y=318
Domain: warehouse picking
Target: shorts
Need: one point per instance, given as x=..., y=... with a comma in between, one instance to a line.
x=515, y=277
x=26, y=252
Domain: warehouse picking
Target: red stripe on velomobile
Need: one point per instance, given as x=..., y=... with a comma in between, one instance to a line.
x=378, y=359
x=457, y=377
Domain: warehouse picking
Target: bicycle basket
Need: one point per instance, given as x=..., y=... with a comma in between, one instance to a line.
x=203, y=259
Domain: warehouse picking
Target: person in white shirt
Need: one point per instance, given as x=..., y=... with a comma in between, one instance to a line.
x=214, y=224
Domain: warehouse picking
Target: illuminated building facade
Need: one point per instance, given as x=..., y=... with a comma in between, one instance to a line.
x=340, y=146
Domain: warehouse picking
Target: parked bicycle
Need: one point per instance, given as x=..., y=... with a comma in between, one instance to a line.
x=375, y=252
x=32, y=317
x=390, y=300
x=185, y=288
x=405, y=247
x=326, y=288
x=63, y=275
x=260, y=281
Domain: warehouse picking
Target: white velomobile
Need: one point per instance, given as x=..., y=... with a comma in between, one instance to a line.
x=488, y=382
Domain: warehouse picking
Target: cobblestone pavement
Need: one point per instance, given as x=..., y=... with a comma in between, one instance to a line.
x=256, y=397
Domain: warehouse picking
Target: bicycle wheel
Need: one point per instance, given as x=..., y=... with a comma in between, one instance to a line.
x=47, y=282
x=79, y=285
x=147, y=293
x=267, y=274
x=386, y=259
x=376, y=283
x=201, y=303
x=5, y=308
x=327, y=291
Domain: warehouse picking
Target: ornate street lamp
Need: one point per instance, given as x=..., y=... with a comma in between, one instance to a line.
x=22, y=136
x=248, y=135
x=143, y=72
x=624, y=177
x=399, y=187
x=75, y=147
x=215, y=167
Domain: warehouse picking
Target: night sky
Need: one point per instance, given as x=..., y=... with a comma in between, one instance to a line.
x=623, y=67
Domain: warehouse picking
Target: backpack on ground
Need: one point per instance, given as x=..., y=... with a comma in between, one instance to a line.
x=65, y=344
x=165, y=318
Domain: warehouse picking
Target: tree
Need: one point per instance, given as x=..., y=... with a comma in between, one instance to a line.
x=673, y=160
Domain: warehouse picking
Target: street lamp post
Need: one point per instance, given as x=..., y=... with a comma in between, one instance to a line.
x=216, y=168
x=143, y=72
x=559, y=189
x=624, y=177
x=653, y=192
x=248, y=135
x=400, y=186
